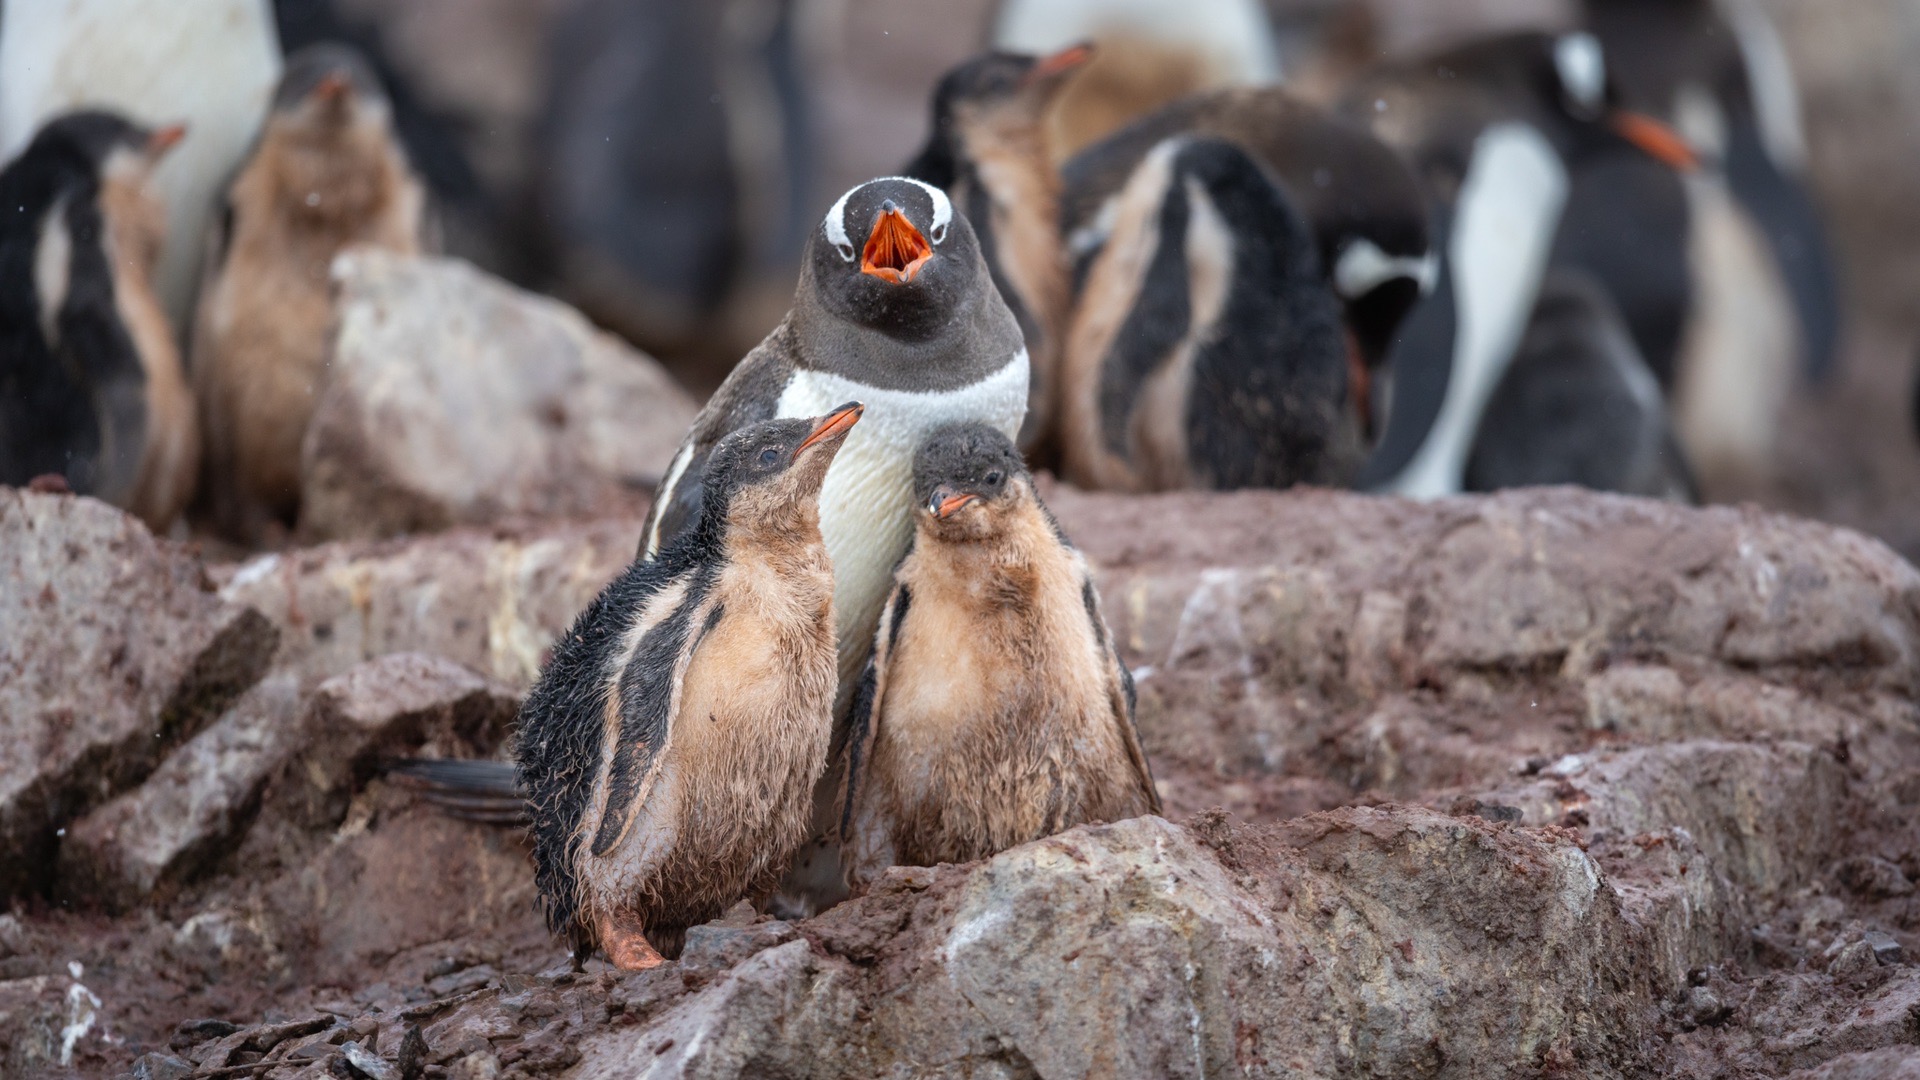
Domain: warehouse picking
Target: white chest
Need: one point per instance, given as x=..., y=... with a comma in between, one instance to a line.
x=866, y=506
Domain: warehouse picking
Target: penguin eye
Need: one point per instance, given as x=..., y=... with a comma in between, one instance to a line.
x=939, y=232
x=769, y=455
x=845, y=250
x=994, y=477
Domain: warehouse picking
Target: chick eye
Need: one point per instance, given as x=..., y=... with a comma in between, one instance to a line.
x=769, y=455
x=994, y=477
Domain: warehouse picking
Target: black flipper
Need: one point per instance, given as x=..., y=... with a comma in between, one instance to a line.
x=482, y=791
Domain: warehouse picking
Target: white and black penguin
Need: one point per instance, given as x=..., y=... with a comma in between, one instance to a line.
x=328, y=172
x=1579, y=405
x=1368, y=212
x=895, y=308
x=669, y=752
x=991, y=150
x=1207, y=348
x=91, y=385
x=1530, y=163
x=996, y=709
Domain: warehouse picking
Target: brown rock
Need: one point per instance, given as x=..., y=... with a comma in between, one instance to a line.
x=113, y=649
x=457, y=398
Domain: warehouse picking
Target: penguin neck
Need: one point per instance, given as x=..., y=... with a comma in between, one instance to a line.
x=975, y=341
x=1012, y=162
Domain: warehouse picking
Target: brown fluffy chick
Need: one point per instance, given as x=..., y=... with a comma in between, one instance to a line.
x=995, y=709
x=328, y=173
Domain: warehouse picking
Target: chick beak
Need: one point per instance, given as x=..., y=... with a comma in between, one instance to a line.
x=165, y=139
x=831, y=426
x=946, y=501
x=895, y=250
x=1657, y=139
x=333, y=91
x=1067, y=59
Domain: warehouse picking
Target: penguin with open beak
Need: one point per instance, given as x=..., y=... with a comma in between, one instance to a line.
x=91, y=385
x=668, y=754
x=1519, y=142
x=996, y=709
x=1207, y=348
x=1368, y=212
x=328, y=172
x=991, y=151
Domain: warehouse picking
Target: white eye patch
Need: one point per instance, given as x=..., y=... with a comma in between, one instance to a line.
x=1583, y=69
x=836, y=223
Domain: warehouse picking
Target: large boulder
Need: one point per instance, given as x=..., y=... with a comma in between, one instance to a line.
x=454, y=397
x=114, y=647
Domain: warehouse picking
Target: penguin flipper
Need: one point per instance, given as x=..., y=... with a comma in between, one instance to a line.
x=647, y=701
x=750, y=394
x=862, y=714
x=1120, y=689
x=482, y=791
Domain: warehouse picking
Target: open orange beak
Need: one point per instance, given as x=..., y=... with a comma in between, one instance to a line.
x=165, y=139
x=946, y=502
x=1059, y=63
x=831, y=426
x=1660, y=141
x=895, y=250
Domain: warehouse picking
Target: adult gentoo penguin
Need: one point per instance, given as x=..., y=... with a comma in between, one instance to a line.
x=995, y=709
x=1367, y=210
x=1206, y=348
x=90, y=379
x=991, y=151
x=328, y=172
x=669, y=752
x=895, y=308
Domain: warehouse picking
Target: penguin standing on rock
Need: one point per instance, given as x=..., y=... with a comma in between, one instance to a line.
x=990, y=150
x=995, y=709
x=1207, y=349
x=328, y=173
x=669, y=753
x=90, y=379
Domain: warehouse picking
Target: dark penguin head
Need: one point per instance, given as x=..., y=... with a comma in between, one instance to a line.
x=71, y=383
x=966, y=479
x=764, y=480
x=330, y=136
x=894, y=293
x=989, y=102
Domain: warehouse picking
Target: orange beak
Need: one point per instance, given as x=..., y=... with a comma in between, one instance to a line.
x=330, y=87
x=836, y=423
x=946, y=502
x=165, y=139
x=1059, y=63
x=895, y=250
x=1660, y=142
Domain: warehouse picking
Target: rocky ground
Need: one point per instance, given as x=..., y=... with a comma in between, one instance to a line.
x=1542, y=784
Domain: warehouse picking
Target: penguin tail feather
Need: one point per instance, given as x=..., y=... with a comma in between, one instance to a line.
x=482, y=791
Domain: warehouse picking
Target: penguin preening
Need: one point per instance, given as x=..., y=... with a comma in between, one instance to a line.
x=1578, y=405
x=1531, y=164
x=670, y=750
x=1367, y=209
x=996, y=709
x=1206, y=348
x=91, y=385
x=326, y=174
x=990, y=150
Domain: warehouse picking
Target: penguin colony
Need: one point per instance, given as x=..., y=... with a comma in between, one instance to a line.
x=853, y=637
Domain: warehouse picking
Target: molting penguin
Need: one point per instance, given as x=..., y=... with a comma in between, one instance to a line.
x=90, y=379
x=991, y=152
x=995, y=710
x=669, y=753
x=328, y=172
x=1206, y=348
x=1578, y=405
x=1530, y=163
x=1368, y=211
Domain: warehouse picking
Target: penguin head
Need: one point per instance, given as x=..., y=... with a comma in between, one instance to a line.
x=966, y=479
x=330, y=130
x=768, y=475
x=96, y=156
x=994, y=97
x=892, y=255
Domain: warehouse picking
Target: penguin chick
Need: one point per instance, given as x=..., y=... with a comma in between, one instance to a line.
x=328, y=172
x=990, y=150
x=995, y=709
x=669, y=753
x=90, y=380
x=1206, y=349
x=1578, y=405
